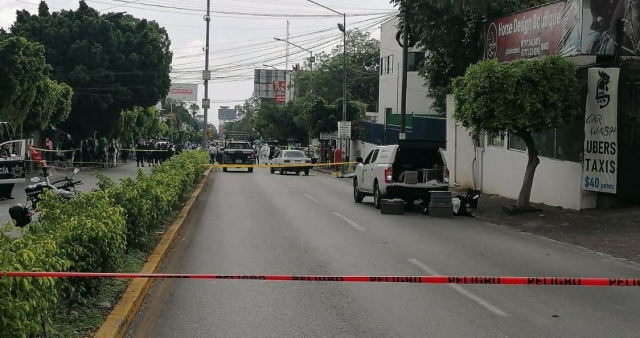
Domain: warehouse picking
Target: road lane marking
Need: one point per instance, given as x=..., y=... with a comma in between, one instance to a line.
x=289, y=184
x=460, y=289
x=311, y=198
x=352, y=223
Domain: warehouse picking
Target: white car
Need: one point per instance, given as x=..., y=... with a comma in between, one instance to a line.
x=292, y=161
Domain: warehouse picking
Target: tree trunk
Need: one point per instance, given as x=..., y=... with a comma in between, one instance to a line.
x=530, y=171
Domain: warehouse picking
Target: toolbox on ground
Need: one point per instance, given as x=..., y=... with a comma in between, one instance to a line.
x=440, y=209
x=392, y=207
x=441, y=197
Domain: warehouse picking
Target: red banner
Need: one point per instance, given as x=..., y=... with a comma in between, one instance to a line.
x=529, y=34
x=280, y=98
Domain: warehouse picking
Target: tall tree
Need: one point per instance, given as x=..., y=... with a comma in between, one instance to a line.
x=246, y=113
x=194, y=109
x=326, y=80
x=27, y=95
x=451, y=34
x=518, y=98
x=113, y=62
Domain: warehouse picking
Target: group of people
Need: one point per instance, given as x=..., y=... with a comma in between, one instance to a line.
x=215, y=152
x=155, y=153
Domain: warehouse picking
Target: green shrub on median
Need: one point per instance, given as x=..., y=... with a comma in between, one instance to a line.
x=90, y=233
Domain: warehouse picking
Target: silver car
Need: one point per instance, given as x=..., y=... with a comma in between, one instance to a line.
x=293, y=161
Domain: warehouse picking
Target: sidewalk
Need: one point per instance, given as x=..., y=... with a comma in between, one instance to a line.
x=86, y=176
x=611, y=231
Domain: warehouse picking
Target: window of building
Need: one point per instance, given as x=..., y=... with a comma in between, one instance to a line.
x=390, y=64
x=496, y=140
x=383, y=66
x=414, y=60
x=564, y=144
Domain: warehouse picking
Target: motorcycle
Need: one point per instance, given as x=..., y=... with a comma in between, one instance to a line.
x=22, y=213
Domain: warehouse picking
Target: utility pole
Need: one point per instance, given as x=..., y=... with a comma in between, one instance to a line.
x=286, y=66
x=345, y=153
x=206, y=76
x=405, y=61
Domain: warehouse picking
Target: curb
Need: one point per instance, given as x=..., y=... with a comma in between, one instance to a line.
x=122, y=315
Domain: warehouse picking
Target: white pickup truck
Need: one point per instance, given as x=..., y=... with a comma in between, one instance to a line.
x=410, y=171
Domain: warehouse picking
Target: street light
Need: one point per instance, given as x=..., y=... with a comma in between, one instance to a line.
x=311, y=59
x=343, y=28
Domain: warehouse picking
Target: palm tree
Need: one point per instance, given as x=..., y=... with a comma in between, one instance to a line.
x=194, y=109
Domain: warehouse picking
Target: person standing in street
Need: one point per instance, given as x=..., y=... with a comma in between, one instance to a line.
x=48, y=145
x=111, y=151
x=139, y=153
x=213, y=152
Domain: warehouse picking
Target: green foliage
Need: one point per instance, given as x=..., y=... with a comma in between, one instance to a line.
x=451, y=34
x=180, y=114
x=51, y=105
x=280, y=121
x=90, y=233
x=246, y=114
x=138, y=123
x=112, y=61
x=29, y=99
x=25, y=302
x=326, y=79
x=517, y=97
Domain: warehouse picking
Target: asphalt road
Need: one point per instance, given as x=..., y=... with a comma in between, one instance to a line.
x=85, y=176
x=269, y=224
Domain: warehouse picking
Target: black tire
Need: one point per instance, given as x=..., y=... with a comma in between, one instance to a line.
x=271, y=170
x=357, y=195
x=306, y=172
x=376, y=196
x=250, y=170
x=224, y=169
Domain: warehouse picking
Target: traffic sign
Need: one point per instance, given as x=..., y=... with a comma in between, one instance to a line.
x=344, y=129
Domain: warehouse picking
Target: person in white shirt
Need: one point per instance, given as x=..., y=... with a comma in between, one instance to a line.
x=264, y=154
x=213, y=152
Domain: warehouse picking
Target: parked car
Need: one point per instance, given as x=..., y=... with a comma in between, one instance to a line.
x=410, y=171
x=291, y=161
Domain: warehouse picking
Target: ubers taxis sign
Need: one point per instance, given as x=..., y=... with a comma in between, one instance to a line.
x=528, y=34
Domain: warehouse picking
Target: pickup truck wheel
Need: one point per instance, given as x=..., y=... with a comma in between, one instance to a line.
x=250, y=170
x=271, y=170
x=306, y=172
x=224, y=169
x=376, y=196
x=357, y=195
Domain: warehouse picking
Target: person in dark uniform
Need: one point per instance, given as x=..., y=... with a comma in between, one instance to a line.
x=149, y=154
x=139, y=152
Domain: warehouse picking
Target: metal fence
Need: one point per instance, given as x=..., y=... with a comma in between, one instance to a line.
x=420, y=128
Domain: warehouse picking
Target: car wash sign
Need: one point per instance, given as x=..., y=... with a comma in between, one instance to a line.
x=600, y=166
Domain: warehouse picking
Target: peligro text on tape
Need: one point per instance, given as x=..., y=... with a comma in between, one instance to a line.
x=480, y=280
x=283, y=165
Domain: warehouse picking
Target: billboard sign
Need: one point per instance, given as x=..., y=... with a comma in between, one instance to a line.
x=599, y=18
x=280, y=98
x=226, y=113
x=183, y=92
x=545, y=30
x=279, y=86
x=599, y=168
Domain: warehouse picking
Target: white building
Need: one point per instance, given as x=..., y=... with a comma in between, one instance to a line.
x=390, y=92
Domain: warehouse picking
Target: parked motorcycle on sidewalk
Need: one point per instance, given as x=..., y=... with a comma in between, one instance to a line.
x=22, y=213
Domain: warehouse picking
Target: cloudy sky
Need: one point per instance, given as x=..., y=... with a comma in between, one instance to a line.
x=242, y=34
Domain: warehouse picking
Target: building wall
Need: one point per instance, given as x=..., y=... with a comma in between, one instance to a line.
x=500, y=170
x=391, y=82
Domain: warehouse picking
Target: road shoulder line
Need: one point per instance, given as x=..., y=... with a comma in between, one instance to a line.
x=122, y=315
x=460, y=289
x=350, y=222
